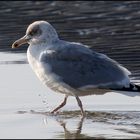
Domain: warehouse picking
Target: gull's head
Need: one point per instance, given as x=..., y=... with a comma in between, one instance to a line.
x=38, y=32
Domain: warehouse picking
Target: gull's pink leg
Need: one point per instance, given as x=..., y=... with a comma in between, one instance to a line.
x=61, y=105
x=81, y=106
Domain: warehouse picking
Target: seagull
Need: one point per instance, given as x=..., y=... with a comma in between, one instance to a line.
x=72, y=68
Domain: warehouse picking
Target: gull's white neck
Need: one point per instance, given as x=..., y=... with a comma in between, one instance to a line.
x=33, y=54
x=34, y=50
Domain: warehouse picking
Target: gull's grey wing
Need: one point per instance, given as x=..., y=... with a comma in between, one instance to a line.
x=80, y=67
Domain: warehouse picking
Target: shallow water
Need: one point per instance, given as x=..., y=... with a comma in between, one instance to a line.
x=108, y=27
x=25, y=105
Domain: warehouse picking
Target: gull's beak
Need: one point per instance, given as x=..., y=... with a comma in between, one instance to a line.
x=20, y=41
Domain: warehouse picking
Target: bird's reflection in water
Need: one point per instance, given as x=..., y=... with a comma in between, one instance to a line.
x=74, y=134
x=96, y=125
x=63, y=120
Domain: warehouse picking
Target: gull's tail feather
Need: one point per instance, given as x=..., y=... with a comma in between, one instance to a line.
x=132, y=88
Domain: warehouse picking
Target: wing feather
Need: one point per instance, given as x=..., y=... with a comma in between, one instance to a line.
x=79, y=67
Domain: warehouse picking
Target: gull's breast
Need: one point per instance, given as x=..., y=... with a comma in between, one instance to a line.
x=43, y=72
x=36, y=66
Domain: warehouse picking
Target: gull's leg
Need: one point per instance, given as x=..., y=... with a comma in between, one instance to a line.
x=61, y=105
x=81, y=106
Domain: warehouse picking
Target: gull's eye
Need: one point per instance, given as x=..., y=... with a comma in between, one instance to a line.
x=33, y=32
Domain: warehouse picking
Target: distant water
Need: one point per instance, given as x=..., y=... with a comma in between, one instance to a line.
x=109, y=27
